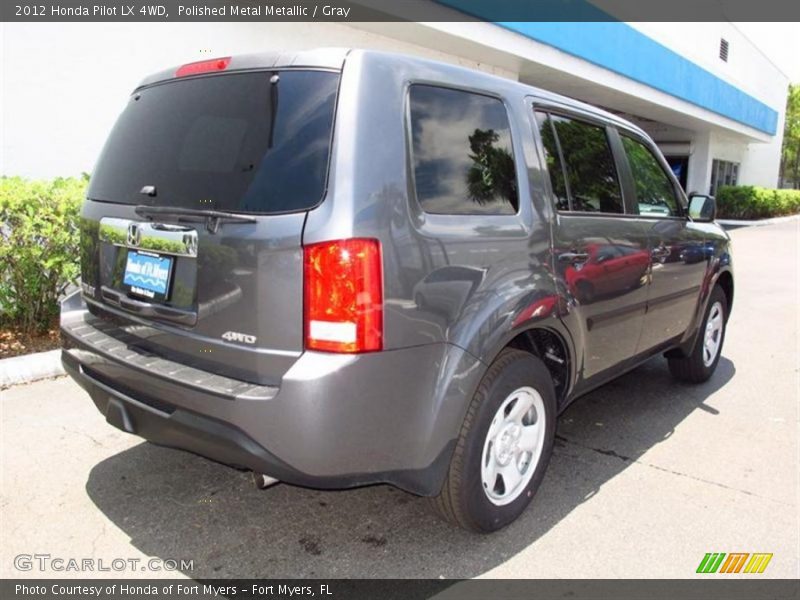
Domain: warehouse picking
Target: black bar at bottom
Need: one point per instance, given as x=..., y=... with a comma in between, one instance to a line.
x=715, y=587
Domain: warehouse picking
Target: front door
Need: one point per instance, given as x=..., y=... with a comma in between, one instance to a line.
x=600, y=252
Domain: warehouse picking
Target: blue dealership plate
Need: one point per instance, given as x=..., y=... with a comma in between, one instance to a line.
x=148, y=274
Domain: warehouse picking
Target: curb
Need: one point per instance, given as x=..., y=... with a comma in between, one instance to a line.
x=30, y=367
x=735, y=223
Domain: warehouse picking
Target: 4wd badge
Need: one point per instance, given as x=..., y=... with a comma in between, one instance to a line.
x=235, y=336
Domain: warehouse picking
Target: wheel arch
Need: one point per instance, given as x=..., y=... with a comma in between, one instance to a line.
x=724, y=278
x=725, y=281
x=551, y=346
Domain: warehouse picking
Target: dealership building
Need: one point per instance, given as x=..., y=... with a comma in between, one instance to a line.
x=707, y=95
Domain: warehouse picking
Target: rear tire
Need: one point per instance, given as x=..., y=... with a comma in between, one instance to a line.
x=700, y=365
x=507, y=434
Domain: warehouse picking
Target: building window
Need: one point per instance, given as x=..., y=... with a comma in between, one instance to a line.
x=462, y=154
x=723, y=49
x=723, y=172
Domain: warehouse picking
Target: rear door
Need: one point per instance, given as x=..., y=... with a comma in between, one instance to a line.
x=599, y=251
x=219, y=290
x=677, y=245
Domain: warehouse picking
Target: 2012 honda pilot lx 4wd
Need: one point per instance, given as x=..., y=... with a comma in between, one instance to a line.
x=338, y=268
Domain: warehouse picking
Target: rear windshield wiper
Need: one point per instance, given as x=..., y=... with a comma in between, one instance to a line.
x=212, y=218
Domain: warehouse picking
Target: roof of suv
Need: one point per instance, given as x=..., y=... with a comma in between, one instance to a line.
x=319, y=58
x=334, y=58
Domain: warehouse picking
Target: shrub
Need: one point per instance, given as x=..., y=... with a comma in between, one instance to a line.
x=751, y=202
x=39, y=248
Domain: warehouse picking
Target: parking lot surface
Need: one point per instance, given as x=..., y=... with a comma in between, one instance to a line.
x=647, y=476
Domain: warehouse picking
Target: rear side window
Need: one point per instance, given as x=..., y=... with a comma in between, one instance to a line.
x=588, y=165
x=236, y=142
x=553, y=160
x=655, y=194
x=462, y=155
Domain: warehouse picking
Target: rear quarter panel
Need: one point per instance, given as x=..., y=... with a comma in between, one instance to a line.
x=471, y=281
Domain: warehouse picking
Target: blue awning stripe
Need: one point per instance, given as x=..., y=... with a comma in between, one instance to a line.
x=620, y=48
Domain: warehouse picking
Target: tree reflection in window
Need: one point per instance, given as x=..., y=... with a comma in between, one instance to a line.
x=492, y=174
x=462, y=154
x=590, y=169
x=654, y=192
x=553, y=160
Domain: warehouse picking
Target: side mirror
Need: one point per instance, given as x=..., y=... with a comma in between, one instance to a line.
x=702, y=207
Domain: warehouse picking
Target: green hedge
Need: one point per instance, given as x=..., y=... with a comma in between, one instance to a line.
x=751, y=202
x=39, y=248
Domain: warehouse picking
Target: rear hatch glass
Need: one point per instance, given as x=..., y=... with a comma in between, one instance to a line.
x=224, y=296
x=255, y=142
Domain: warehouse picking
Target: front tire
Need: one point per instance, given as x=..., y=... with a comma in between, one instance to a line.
x=504, y=445
x=700, y=365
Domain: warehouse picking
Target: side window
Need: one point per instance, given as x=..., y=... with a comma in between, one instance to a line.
x=655, y=193
x=462, y=155
x=553, y=160
x=591, y=173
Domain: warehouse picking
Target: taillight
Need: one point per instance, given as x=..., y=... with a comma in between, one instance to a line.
x=203, y=66
x=343, y=296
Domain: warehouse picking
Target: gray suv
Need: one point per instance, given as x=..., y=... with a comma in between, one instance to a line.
x=340, y=268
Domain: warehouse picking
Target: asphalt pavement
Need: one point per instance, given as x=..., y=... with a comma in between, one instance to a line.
x=647, y=476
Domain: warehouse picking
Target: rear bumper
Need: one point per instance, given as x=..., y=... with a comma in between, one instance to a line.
x=334, y=421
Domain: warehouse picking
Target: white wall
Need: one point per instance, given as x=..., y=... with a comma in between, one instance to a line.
x=698, y=177
x=761, y=162
x=64, y=84
x=749, y=70
x=747, y=67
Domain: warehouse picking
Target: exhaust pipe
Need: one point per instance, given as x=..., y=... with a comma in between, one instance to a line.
x=262, y=481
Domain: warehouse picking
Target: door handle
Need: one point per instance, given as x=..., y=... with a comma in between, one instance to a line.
x=573, y=257
x=660, y=252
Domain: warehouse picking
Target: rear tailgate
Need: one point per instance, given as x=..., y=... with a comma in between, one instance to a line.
x=159, y=256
